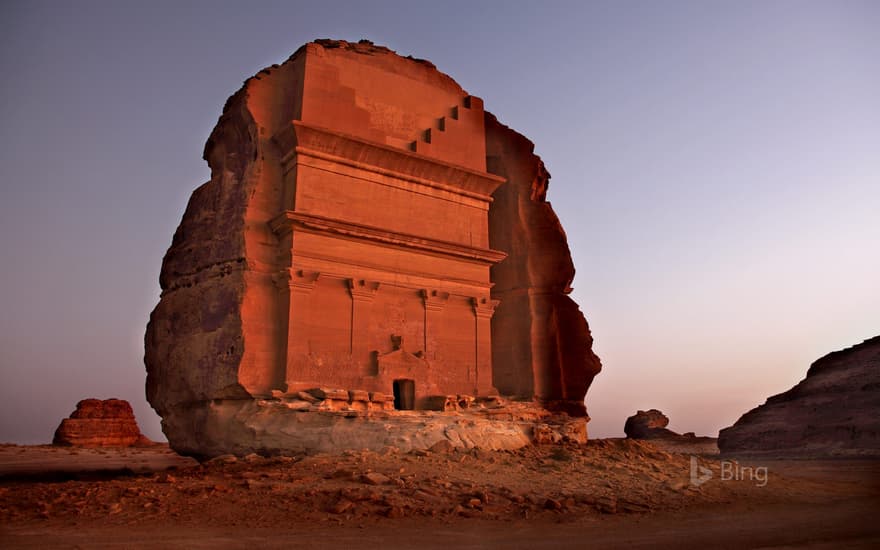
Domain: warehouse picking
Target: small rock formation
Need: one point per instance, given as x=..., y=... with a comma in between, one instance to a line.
x=97, y=423
x=652, y=424
x=835, y=410
x=649, y=424
x=369, y=229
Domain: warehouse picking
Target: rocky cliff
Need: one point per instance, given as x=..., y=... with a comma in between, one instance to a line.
x=536, y=324
x=835, y=410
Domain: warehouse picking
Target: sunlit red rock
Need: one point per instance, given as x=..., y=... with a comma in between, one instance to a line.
x=370, y=230
x=97, y=423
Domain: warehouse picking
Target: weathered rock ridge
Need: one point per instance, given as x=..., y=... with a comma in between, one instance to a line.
x=368, y=229
x=835, y=410
x=97, y=423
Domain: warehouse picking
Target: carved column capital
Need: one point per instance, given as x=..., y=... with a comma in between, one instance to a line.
x=297, y=280
x=484, y=307
x=363, y=290
x=434, y=300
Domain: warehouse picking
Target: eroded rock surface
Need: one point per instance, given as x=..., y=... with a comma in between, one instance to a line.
x=835, y=410
x=649, y=424
x=367, y=228
x=100, y=423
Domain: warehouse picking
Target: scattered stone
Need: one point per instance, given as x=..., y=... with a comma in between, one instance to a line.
x=633, y=507
x=358, y=395
x=542, y=434
x=606, y=504
x=327, y=393
x=375, y=478
x=298, y=405
x=393, y=512
x=307, y=397
x=444, y=446
x=342, y=505
x=343, y=474
x=166, y=478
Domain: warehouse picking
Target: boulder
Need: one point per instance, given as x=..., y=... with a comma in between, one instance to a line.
x=649, y=424
x=834, y=411
x=97, y=423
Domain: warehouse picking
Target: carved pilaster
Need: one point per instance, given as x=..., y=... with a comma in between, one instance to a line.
x=435, y=301
x=299, y=285
x=363, y=293
x=484, y=308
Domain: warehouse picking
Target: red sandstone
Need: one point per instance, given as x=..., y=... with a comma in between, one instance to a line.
x=97, y=423
x=368, y=227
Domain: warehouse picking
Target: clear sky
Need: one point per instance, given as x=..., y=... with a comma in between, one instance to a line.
x=716, y=166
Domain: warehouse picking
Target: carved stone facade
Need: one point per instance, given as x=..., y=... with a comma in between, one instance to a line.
x=382, y=243
x=371, y=234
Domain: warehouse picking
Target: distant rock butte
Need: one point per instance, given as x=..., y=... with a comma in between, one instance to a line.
x=835, y=410
x=370, y=240
x=97, y=423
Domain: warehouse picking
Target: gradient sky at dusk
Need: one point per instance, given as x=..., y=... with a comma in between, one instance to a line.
x=716, y=166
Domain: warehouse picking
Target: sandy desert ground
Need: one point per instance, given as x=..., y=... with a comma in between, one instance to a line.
x=606, y=494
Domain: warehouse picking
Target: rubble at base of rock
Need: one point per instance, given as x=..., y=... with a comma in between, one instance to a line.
x=570, y=480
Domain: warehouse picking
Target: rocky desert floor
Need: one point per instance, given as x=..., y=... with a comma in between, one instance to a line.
x=605, y=494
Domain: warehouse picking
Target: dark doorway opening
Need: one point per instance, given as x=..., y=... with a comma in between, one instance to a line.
x=404, y=395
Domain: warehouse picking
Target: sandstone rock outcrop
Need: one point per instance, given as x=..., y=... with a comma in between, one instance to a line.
x=835, y=410
x=369, y=229
x=97, y=423
x=649, y=424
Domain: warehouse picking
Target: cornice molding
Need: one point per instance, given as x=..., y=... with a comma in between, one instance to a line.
x=289, y=220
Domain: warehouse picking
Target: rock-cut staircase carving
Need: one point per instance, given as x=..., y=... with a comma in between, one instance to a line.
x=457, y=136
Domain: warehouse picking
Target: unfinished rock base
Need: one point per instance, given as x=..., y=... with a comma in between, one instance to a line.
x=272, y=427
